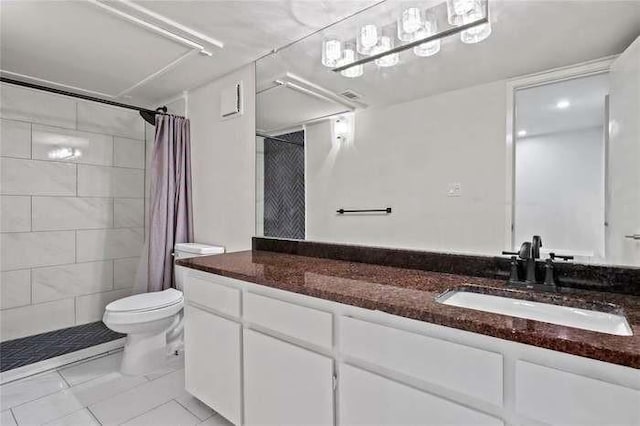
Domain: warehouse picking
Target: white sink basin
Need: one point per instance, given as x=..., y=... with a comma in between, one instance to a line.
x=586, y=319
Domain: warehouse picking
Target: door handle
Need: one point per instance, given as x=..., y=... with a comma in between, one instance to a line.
x=633, y=236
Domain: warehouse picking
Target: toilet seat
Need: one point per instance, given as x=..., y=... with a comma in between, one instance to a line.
x=144, y=307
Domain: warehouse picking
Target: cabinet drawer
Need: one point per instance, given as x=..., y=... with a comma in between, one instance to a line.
x=460, y=368
x=210, y=294
x=558, y=397
x=300, y=322
x=369, y=399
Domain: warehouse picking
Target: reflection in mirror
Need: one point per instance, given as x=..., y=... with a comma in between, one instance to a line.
x=478, y=132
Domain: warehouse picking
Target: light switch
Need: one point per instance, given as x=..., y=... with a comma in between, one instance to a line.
x=454, y=190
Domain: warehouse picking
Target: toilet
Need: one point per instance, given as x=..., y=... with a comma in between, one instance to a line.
x=153, y=321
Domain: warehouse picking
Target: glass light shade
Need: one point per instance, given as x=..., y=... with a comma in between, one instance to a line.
x=477, y=33
x=386, y=43
x=409, y=23
x=367, y=39
x=430, y=28
x=427, y=49
x=458, y=9
x=331, y=52
x=348, y=56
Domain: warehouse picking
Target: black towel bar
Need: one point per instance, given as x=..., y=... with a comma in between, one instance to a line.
x=343, y=211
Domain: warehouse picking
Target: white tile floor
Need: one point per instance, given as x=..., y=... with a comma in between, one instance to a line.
x=94, y=392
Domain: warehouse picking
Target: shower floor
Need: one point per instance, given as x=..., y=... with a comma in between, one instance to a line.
x=28, y=350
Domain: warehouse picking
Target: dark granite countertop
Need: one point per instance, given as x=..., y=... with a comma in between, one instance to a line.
x=411, y=293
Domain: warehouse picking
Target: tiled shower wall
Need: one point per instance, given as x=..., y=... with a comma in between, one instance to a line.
x=72, y=230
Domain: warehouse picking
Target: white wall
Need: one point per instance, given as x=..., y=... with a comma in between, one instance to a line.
x=223, y=164
x=72, y=229
x=559, y=186
x=404, y=156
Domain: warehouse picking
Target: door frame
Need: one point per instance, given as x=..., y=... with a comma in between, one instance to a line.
x=583, y=69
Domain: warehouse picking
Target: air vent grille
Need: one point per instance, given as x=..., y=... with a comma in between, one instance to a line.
x=350, y=94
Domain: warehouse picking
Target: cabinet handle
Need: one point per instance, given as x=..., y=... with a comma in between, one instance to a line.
x=633, y=236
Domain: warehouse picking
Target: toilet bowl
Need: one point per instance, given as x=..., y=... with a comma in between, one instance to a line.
x=153, y=321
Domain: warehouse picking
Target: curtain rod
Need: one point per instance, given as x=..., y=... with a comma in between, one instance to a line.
x=277, y=139
x=142, y=111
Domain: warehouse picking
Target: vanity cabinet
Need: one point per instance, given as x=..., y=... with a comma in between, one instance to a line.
x=285, y=384
x=259, y=355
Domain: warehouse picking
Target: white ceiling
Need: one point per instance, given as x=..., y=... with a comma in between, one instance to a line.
x=527, y=37
x=77, y=44
x=537, y=110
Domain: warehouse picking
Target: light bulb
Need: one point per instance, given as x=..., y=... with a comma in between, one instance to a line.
x=367, y=39
x=348, y=56
x=331, y=52
x=408, y=23
x=427, y=49
x=475, y=34
x=430, y=28
x=386, y=43
x=458, y=9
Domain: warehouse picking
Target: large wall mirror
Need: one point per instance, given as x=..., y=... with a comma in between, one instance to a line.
x=457, y=126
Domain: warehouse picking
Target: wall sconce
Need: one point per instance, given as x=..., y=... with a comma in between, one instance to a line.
x=342, y=129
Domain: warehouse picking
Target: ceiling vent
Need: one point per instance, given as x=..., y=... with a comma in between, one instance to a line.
x=351, y=95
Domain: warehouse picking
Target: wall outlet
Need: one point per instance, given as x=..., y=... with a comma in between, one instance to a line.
x=454, y=190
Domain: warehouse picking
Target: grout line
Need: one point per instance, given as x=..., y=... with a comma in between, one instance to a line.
x=93, y=415
x=189, y=411
x=13, y=415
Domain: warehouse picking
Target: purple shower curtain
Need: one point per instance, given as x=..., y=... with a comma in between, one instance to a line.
x=171, y=218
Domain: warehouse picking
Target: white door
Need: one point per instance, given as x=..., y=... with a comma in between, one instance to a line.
x=623, y=198
x=285, y=384
x=212, y=361
x=369, y=399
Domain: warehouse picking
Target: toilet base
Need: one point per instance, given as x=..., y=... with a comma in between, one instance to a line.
x=144, y=353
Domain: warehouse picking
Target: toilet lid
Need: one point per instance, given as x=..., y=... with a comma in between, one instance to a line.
x=146, y=301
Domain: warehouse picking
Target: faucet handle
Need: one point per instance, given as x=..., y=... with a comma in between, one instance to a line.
x=553, y=255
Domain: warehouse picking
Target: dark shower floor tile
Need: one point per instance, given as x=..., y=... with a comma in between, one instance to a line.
x=28, y=350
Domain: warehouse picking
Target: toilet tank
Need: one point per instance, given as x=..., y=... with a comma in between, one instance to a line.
x=186, y=250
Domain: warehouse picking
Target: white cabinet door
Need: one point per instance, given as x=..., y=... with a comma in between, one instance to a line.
x=212, y=361
x=369, y=399
x=285, y=384
x=560, y=398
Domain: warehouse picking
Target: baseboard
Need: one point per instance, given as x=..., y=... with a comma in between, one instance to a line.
x=60, y=361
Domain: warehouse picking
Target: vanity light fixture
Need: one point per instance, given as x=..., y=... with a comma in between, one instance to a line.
x=367, y=39
x=457, y=10
x=416, y=29
x=429, y=28
x=409, y=23
x=477, y=33
x=348, y=55
x=384, y=45
x=331, y=52
x=563, y=104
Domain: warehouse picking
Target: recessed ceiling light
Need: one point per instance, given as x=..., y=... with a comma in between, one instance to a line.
x=522, y=133
x=563, y=104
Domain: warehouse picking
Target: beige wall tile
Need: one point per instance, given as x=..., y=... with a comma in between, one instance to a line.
x=15, y=139
x=34, y=319
x=15, y=288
